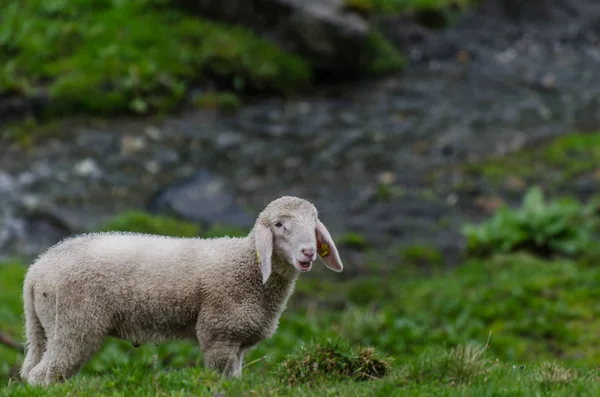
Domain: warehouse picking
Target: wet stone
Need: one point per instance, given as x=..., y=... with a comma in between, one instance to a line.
x=202, y=198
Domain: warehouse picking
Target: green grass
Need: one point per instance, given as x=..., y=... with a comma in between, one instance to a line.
x=531, y=310
x=110, y=57
x=555, y=162
x=463, y=371
x=11, y=279
x=504, y=325
x=141, y=222
x=106, y=56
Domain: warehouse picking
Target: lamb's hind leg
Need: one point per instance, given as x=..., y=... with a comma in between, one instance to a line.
x=36, y=336
x=65, y=354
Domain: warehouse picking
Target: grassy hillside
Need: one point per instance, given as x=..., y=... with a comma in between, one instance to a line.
x=505, y=324
x=142, y=56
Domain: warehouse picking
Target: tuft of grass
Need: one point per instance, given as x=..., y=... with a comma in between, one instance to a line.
x=315, y=362
x=460, y=365
x=551, y=374
x=139, y=56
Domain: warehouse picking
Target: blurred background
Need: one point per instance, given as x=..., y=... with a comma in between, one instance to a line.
x=452, y=148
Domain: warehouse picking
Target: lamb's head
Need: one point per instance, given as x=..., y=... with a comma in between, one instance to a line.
x=289, y=229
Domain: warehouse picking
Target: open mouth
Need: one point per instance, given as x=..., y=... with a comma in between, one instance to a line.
x=304, y=265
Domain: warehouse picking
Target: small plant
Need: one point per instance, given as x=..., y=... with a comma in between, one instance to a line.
x=334, y=359
x=565, y=227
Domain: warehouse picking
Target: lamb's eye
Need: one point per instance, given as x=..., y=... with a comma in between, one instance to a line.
x=278, y=224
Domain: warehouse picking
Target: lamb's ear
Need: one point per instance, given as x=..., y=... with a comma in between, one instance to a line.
x=327, y=249
x=264, y=249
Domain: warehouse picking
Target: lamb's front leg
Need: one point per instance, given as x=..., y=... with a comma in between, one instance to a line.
x=223, y=356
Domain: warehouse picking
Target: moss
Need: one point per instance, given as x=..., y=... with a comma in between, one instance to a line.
x=556, y=162
x=382, y=57
x=395, y=6
x=105, y=56
x=218, y=100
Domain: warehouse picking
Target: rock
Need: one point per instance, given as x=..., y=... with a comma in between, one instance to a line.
x=154, y=133
x=323, y=31
x=132, y=144
x=201, y=198
x=88, y=168
x=7, y=182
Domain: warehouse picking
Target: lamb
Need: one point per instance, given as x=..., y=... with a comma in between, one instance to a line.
x=227, y=293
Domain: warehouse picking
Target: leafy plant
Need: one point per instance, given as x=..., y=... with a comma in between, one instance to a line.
x=564, y=227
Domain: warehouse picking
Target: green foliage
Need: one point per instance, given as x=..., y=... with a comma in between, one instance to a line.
x=534, y=308
x=395, y=6
x=141, y=222
x=555, y=162
x=421, y=256
x=113, y=56
x=353, y=240
x=382, y=57
x=224, y=230
x=218, y=100
x=564, y=227
x=431, y=13
x=335, y=359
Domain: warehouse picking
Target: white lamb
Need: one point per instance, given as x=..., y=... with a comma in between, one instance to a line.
x=227, y=293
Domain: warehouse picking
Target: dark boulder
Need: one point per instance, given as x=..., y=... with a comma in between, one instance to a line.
x=201, y=198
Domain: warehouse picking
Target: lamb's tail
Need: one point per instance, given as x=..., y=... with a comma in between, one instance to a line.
x=34, y=332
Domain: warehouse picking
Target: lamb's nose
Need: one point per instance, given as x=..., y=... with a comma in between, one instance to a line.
x=309, y=253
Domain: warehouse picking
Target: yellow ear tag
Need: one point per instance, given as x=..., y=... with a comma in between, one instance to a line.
x=258, y=257
x=323, y=249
